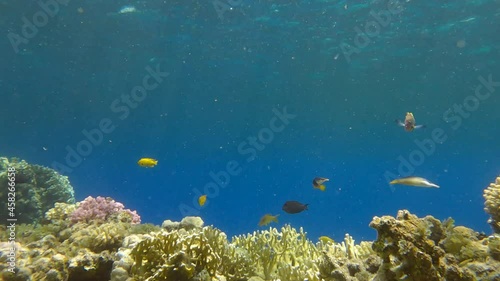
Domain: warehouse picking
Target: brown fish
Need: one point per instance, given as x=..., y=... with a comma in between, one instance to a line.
x=294, y=207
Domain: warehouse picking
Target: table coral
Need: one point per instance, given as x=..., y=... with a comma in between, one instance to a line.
x=37, y=189
x=492, y=204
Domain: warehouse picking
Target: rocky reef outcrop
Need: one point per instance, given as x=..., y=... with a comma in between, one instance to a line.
x=492, y=204
x=415, y=249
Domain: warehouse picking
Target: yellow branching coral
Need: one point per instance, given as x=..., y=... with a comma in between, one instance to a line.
x=492, y=204
x=286, y=255
x=347, y=249
x=181, y=255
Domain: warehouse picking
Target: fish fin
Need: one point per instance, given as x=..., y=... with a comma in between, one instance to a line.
x=430, y=184
x=400, y=123
x=420, y=126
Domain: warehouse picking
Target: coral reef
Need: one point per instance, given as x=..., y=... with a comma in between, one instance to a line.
x=37, y=189
x=492, y=204
x=407, y=248
x=415, y=249
x=98, y=239
x=102, y=209
x=61, y=249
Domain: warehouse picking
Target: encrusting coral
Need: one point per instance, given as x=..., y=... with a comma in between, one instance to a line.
x=37, y=189
x=492, y=204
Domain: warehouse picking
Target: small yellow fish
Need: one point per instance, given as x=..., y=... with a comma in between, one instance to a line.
x=267, y=219
x=414, y=181
x=326, y=239
x=318, y=183
x=147, y=162
x=409, y=123
x=202, y=199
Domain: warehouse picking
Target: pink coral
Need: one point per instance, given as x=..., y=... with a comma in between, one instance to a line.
x=103, y=209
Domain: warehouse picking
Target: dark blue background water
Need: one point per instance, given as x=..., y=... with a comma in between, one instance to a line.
x=227, y=74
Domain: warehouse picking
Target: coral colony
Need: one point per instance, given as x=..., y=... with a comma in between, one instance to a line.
x=98, y=240
x=101, y=209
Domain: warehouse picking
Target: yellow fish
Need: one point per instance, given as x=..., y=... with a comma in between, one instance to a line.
x=267, y=219
x=202, y=199
x=414, y=181
x=147, y=162
x=326, y=239
x=318, y=183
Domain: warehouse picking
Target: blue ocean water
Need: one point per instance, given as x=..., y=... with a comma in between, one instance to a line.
x=206, y=84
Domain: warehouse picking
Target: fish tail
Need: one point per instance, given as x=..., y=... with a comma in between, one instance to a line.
x=322, y=187
x=306, y=206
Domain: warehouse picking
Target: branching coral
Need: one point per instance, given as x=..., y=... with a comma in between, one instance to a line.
x=492, y=204
x=102, y=209
x=287, y=255
x=347, y=249
x=181, y=255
